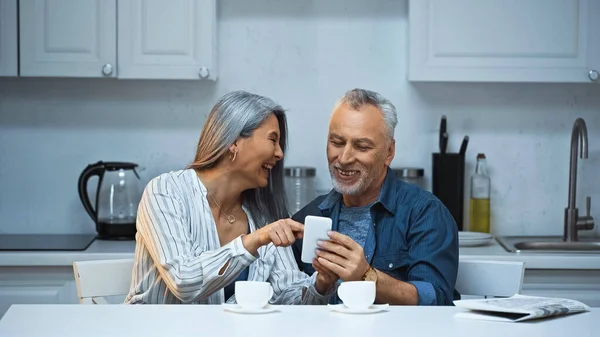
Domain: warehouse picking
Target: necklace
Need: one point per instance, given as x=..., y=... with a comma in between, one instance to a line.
x=230, y=217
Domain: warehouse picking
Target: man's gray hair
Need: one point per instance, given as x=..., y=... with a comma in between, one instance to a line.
x=357, y=98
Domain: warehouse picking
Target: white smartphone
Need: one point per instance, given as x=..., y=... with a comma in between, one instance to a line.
x=315, y=229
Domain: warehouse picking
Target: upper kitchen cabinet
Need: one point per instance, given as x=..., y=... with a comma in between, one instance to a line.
x=504, y=40
x=128, y=39
x=9, y=64
x=68, y=38
x=167, y=40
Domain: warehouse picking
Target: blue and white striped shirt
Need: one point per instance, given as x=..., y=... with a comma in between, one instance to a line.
x=178, y=255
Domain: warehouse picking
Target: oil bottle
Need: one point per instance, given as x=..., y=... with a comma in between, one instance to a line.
x=480, y=197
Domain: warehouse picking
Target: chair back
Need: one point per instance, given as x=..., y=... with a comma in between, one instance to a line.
x=490, y=278
x=100, y=278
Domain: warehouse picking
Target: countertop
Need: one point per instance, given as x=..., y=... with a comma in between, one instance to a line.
x=75, y=320
x=100, y=250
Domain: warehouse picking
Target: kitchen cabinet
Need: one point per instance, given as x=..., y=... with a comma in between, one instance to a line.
x=176, y=41
x=68, y=38
x=36, y=285
x=56, y=285
x=8, y=38
x=504, y=41
x=580, y=285
x=47, y=276
x=134, y=39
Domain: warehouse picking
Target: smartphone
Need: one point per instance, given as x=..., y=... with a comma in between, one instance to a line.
x=315, y=229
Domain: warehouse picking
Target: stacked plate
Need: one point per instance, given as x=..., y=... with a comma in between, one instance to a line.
x=473, y=239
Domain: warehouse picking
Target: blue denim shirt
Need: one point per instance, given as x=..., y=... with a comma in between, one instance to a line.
x=413, y=238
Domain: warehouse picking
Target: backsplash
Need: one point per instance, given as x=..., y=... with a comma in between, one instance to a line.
x=304, y=55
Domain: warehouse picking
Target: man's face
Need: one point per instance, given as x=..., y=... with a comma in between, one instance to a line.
x=358, y=149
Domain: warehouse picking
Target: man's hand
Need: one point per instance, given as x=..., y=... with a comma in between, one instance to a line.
x=325, y=278
x=343, y=256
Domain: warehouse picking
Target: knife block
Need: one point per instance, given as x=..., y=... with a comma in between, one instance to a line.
x=448, y=183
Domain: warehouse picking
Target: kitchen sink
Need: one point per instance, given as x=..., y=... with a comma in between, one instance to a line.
x=549, y=244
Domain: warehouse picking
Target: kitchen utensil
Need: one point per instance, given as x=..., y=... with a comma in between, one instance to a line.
x=441, y=135
x=463, y=146
x=118, y=194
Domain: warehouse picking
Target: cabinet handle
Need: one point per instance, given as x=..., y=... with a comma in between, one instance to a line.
x=203, y=72
x=593, y=75
x=107, y=69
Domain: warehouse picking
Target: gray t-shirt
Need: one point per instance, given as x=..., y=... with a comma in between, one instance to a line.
x=355, y=222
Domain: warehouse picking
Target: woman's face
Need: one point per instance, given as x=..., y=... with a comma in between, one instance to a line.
x=259, y=153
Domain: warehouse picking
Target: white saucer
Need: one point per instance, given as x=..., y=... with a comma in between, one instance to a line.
x=370, y=310
x=239, y=310
x=473, y=239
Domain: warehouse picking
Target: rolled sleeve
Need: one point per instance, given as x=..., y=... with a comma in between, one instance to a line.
x=433, y=251
x=425, y=292
x=238, y=249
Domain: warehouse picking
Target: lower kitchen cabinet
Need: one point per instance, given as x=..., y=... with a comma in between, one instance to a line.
x=36, y=285
x=56, y=285
x=576, y=284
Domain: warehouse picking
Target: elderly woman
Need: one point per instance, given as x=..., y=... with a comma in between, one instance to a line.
x=224, y=218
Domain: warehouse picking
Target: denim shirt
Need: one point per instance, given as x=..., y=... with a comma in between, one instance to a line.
x=414, y=238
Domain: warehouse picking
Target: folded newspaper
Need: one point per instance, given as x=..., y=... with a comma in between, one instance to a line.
x=518, y=308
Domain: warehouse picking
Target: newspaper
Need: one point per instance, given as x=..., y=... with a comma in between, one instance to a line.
x=519, y=308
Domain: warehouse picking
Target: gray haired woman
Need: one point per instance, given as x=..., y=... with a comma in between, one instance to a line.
x=224, y=218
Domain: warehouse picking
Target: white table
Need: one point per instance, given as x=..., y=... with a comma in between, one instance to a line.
x=303, y=321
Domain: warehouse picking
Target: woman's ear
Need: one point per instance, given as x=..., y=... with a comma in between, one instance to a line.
x=233, y=148
x=233, y=151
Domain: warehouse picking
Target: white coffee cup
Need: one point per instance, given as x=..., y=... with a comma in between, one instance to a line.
x=357, y=294
x=253, y=294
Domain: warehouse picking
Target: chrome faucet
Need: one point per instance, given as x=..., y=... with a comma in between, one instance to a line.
x=573, y=222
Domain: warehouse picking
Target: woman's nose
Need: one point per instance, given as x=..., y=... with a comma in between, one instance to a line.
x=278, y=152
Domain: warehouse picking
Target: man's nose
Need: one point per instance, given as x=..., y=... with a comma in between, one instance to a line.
x=347, y=155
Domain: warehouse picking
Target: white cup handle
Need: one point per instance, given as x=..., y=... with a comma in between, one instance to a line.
x=341, y=292
x=270, y=292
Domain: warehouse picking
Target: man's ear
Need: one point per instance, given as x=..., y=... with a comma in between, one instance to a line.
x=391, y=152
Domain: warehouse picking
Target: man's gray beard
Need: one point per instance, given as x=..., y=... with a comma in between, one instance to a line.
x=356, y=189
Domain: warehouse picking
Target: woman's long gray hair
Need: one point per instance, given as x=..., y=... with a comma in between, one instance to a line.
x=238, y=114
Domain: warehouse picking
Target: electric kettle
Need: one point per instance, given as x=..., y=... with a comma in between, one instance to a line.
x=117, y=198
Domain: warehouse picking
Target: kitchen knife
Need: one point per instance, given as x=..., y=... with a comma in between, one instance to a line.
x=441, y=135
x=444, y=143
x=463, y=146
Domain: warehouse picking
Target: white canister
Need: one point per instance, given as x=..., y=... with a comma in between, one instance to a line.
x=299, y=186
x=411, y=175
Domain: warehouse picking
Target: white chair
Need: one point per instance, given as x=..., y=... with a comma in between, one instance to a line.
x=490, y=278
x=97, y=279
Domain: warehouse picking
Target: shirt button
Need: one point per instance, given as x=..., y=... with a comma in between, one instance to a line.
x=391, y=265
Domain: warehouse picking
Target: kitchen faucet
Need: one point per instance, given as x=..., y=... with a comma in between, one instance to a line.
x=573, y=222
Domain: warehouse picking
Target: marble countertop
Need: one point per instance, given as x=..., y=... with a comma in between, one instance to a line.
x=101, y=250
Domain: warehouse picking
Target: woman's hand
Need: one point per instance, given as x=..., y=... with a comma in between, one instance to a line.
x=281, y=233
x=325, y=277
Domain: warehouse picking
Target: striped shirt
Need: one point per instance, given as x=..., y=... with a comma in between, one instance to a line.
x=178, y=255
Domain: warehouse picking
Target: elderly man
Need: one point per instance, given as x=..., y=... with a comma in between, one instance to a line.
x=384, y=229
